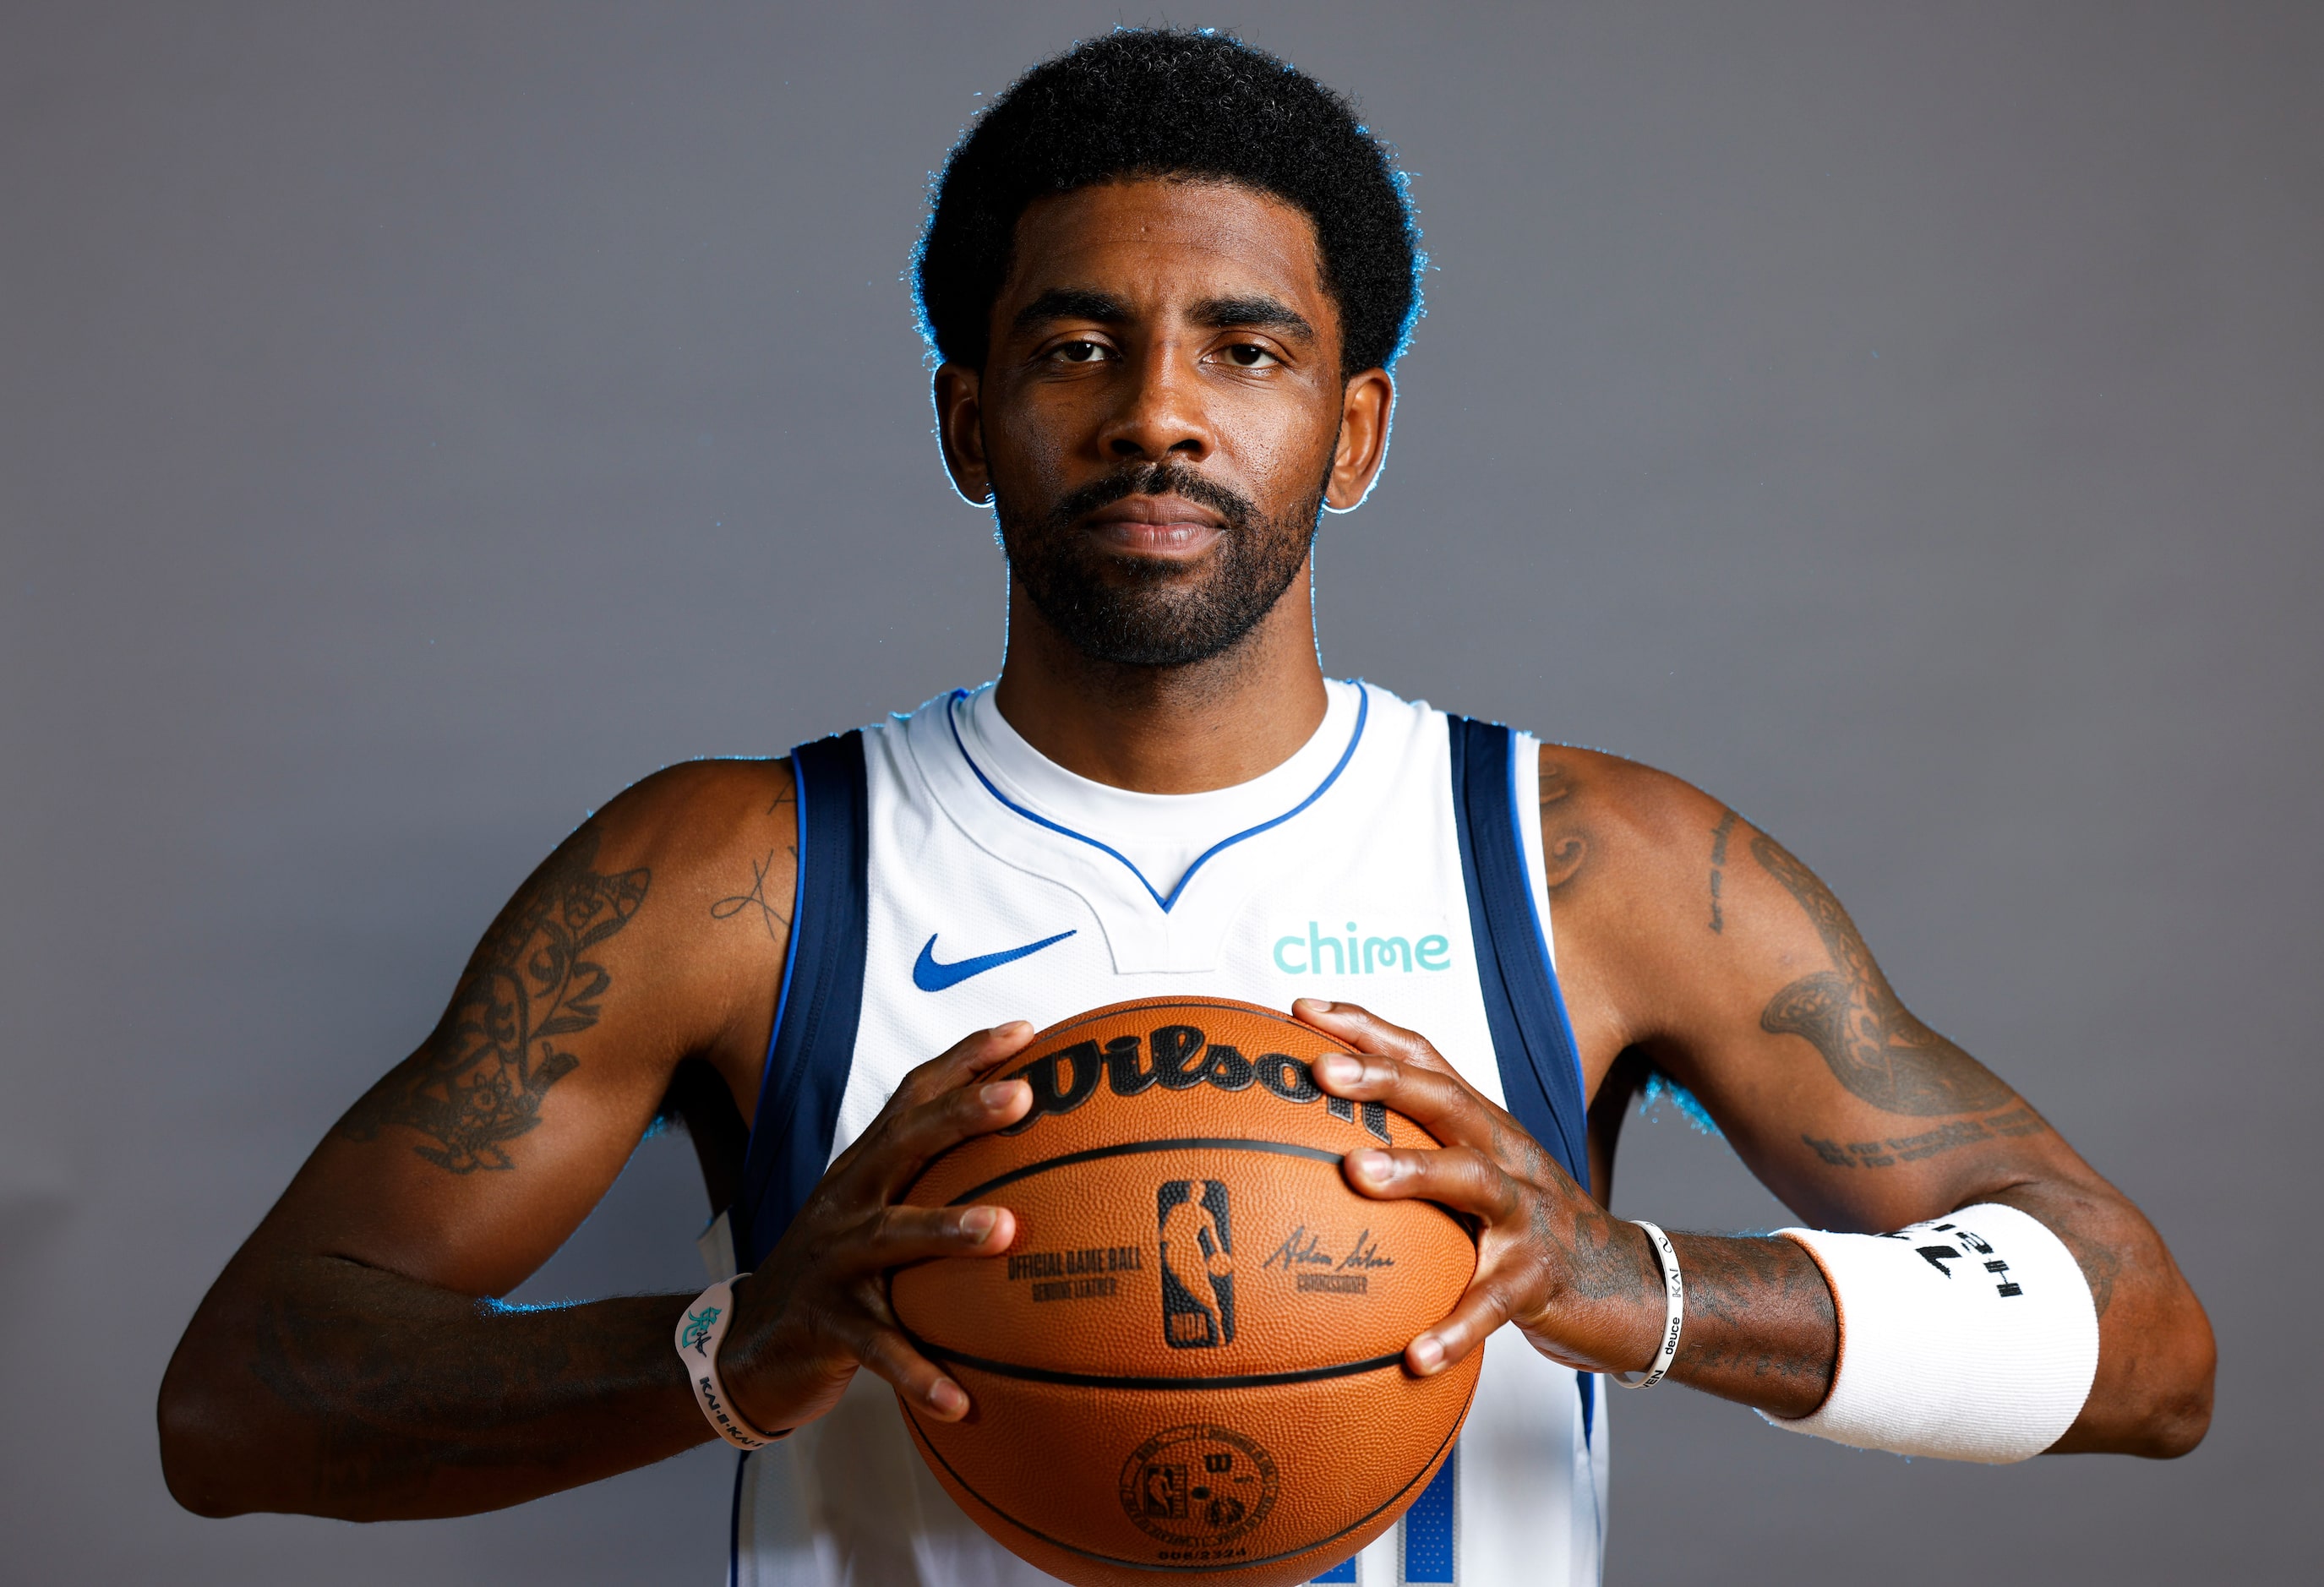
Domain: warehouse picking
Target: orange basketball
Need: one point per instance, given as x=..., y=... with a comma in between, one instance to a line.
x=1189, y=1360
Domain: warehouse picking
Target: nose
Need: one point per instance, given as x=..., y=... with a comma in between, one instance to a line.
x=1160, y=414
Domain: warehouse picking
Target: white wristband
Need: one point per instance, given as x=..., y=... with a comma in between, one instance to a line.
x=1674, y=1311
x=1970, y=1337
x=699, y=1333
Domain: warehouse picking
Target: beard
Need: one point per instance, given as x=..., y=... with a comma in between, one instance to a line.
x=1139, y=611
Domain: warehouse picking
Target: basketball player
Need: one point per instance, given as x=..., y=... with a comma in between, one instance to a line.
x=1169, y=278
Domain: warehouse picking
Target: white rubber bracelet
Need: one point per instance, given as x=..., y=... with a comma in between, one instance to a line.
x=699, y=1334
x=1674, y=1311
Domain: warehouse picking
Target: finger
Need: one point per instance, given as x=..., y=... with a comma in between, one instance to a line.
x=1480, y=1311
x=900, y=1235
x=1367, y=1032
x=966, y=1059
x=946, y=1077
x=1439, y=1102
x=908, y=1143
x=1461, y=1178
x=919, y=1381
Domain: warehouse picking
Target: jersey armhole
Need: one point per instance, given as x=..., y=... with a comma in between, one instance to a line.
x=1524, y=806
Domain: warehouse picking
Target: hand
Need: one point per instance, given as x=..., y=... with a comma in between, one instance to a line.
x=1584, y=1287
x=817, y=1309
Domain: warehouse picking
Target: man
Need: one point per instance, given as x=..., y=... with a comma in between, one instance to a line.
x=1169, y=278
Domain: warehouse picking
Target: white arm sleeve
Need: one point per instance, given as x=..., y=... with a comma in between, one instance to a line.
x=1970, y=1338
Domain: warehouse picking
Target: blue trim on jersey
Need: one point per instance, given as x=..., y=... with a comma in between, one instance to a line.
x=1428, y=1526
x=813, y=1042
x=734, y=1521
x=1533, y=1038
x=1533, y=895
x=1364, y=709
x=1586, y=1383
x=791, y=961
x=1345, y=1571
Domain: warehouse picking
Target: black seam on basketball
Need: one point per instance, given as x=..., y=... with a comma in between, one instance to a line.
x=1134, y=1147
x=1111, y=1381
x=1429, y=1469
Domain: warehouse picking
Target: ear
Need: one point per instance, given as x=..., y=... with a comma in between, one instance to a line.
x=959, y=431
x=1366, y=407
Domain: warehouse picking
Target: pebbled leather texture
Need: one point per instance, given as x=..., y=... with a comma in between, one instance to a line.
x=1188, y=1363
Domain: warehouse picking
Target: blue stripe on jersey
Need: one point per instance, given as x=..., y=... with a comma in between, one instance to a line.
x=813, y=1045
x=1428, y=1526
x=1533, y=1040
x=735, y=1520
x=1364, y=709
x=1345, y=1571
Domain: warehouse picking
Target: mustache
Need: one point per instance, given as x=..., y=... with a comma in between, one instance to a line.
x=1154, y=479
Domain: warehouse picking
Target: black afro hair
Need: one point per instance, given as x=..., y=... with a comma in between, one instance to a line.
x=1170, y=102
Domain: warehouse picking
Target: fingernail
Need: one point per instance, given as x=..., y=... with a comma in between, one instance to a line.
x=1374, y=1166
x=1012, y=1028
x=978, y=1221
x=999, y=1094
x=946, y=1398
x=1340, y=1069
x=1313, y=1005
x=1427, y=1355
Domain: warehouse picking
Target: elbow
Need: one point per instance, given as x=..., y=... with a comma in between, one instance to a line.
x=2160, y=1408
x=2178, y=1405
x=207, y=1446
x=187, y=1464
x=2178, y=1414
x=2178, y=1432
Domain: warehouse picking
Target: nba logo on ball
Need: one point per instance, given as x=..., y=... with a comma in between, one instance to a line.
x=1197, y=1264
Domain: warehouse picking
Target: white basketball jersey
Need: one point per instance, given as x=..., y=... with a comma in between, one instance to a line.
x=974, y=882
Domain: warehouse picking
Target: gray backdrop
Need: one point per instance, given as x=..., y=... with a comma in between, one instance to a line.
x=419, y=421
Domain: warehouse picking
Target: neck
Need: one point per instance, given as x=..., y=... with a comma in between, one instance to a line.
x=1188, y=729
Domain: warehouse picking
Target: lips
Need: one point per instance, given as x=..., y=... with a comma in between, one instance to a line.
x=1155, y=526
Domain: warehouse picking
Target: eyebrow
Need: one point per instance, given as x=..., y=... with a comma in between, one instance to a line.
x=1072, y=303
x=1258, y=311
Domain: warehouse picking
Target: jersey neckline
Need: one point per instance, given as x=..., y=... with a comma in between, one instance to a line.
x=995, y=733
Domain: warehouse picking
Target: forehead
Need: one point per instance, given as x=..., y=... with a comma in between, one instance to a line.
x=1160, y=243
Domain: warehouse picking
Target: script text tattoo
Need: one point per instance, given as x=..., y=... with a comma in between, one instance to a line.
x=1719, y=866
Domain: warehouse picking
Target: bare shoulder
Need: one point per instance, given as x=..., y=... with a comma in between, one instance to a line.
x=719, y=840
x=651, y=935
x=699, y=812
x=705, y=853
x=1612, y=826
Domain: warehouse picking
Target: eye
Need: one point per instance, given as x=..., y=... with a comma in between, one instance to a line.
x=1249, y=355
x=1078, y=352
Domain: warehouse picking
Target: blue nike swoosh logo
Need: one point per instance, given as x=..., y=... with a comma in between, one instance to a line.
x=930, y=976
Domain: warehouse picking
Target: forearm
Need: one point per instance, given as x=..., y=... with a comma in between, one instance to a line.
x=1760, y=1327
x=320, y=1386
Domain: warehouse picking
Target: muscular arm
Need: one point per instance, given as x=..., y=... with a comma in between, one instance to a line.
x=1693, y=941
x=352, y=1361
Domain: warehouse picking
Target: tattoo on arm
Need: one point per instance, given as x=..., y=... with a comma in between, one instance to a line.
x=769, y=915
x=476, y=1083
x=1873, y=1044
x=756, y=899
x=2020, y=1120
x=1719, y=865
x=1733, y=1286
x=1565, y=845
x=2100, y=1264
